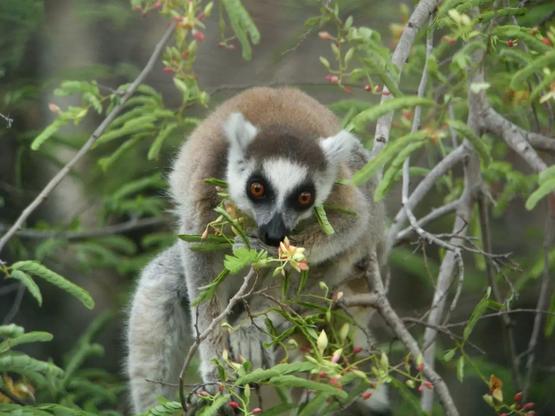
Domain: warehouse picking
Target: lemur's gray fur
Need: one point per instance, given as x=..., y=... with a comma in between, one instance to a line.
x=290, y=143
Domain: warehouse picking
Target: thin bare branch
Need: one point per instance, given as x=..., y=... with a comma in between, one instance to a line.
x=91, y=140
x=243, y=292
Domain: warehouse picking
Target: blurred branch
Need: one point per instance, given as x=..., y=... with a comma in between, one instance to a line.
x=508, y=333
x=423, y=10
x=8, y=119
x=120, y=228
x=92, y=139
x=543, y=297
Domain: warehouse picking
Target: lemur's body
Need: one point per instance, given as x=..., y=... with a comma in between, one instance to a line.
x=267, y=144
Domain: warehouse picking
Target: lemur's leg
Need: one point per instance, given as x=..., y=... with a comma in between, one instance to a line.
x=158, y=333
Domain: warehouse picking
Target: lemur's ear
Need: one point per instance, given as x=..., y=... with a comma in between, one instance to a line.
x=338, y=148
x=239, y=131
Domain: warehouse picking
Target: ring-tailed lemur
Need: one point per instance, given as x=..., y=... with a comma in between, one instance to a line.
x=281, y=153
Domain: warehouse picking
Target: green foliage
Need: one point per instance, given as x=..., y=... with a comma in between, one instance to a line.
x=242, y=25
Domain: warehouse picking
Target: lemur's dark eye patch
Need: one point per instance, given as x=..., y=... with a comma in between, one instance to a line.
x=258, y=189
x=302, y=197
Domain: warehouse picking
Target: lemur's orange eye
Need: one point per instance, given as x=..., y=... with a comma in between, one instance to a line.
x=305, y=198
x=257, y=190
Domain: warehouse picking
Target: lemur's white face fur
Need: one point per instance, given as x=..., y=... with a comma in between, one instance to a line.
x=278, y=178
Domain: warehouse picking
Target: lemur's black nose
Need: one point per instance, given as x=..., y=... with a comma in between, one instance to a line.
x=273, y=232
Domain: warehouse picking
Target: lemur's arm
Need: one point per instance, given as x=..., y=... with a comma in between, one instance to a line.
x=158, y=331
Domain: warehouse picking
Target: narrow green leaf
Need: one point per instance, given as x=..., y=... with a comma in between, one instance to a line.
x=54, y=278
x=546, y=60
x=294, y=381
x=460, y=368
x=322, y=218
x=260, y=375
x=367, y=116
x=314, y=405
x=48, y=132
x=390, y=151
x=478, y=311
x=212, y=410
x=30, y=337
x=154, y=151
x=29, y=283
x=476, y=141
x=545, y=189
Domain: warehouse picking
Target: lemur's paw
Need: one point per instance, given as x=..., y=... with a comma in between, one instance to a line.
x=247, y=342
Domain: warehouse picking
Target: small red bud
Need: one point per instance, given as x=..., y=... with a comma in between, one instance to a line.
x=528, y=406
x=201, y=16
x=198, y=35
x=334, y=381
x=168, y=70
x=378, y=88
x=366, y=395
x=54, y=108
x=325, y=36
x=348, y=89
x=356, y=350
x=511, y=43
x=386, y=93
x=546, y=41
x=221, y=387
x=234, y=405
x=332, y=79
x=420, y=367
x=157, y=5
x=420, y=388
x=428, y=384
x=322, y=374
x=368, y=88
x=256, y=411
x=518, y=396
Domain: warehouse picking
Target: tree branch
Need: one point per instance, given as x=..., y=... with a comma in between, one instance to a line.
x=394, y=322
x=241, y=294
x=92, y=139
x=423, y=10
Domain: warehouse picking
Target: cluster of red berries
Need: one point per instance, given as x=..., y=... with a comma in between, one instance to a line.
x=526, y=409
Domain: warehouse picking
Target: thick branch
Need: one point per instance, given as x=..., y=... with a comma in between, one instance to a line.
x=418, y=18
x=92, y=139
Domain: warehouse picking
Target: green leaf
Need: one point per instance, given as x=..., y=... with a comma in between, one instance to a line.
x=314, y=405
x=27, y=366
x=367, y=116
x=322, y=218
x=545, y=188
x=448, y=356
x=546, y=60
x=35, y=336
x=212, y=410
x=29, y=283
x=48, y=132
x=478, y=311
x=154, y=151
x=54, y=278
x=391, y=173
x=260, y=375
x=476, y=141
x=293, y=381
x=11, y=331
x=390, y=151
x=460, y=368
x=165, y=409
x=550, y=321
x=242, y=25
x=242, y=257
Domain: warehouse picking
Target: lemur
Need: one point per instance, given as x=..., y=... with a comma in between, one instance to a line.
x=281, y=153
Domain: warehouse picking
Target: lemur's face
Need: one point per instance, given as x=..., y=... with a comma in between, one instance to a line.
x=276, y=178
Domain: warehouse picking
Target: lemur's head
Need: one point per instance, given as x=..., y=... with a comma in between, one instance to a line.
x=277, y=177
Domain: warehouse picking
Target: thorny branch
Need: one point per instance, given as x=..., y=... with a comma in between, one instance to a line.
x=92, y=139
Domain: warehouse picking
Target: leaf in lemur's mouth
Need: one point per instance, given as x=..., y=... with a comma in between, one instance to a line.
x=322, y=218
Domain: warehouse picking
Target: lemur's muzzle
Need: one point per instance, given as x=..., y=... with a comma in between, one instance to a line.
x=273, y=232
